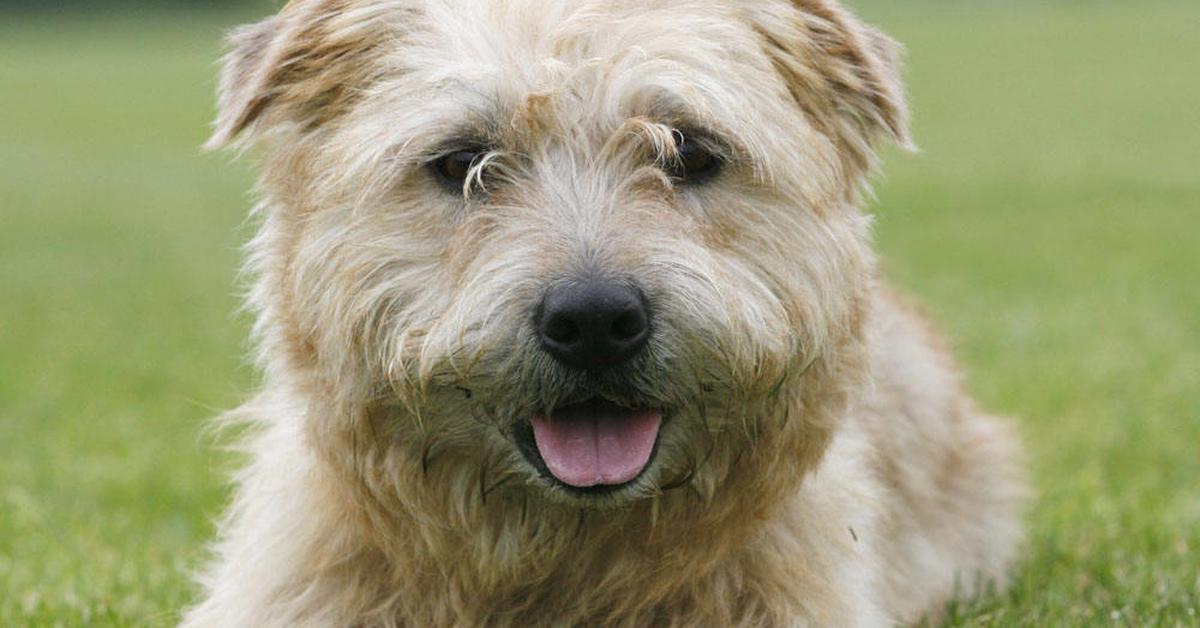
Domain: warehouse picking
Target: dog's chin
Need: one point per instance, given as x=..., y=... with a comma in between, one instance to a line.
x=593, y=452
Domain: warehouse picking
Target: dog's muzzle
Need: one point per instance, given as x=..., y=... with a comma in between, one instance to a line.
x=592, y=325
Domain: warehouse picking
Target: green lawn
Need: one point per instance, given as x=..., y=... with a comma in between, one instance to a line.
x=1051, y=223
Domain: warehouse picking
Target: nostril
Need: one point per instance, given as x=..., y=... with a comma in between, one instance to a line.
x=628, y=325
x=561, y=329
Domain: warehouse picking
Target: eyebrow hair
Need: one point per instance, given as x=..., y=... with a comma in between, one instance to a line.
x=662, y=137
x=456, y=125
x=676, y=112
x=456, y=115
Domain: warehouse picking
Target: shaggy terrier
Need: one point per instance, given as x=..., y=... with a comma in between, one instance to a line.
x=568, y=315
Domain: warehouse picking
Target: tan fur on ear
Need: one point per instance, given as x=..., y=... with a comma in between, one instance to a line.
x=843, y=73
x=308, y=63
x=242, y=93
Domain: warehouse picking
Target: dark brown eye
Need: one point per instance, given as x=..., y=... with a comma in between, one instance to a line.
x=695, y=163
x=453, y=168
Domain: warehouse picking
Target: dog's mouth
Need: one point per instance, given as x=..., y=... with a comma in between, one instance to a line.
x=592, y=446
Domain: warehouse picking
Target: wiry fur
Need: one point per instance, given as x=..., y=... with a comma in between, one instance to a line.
x=821, y=464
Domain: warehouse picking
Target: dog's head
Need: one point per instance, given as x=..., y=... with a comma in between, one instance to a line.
x=590, y=251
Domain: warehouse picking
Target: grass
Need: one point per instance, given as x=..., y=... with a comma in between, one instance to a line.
x=1051, y=223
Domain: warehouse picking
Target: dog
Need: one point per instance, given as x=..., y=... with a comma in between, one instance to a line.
x=567, y=314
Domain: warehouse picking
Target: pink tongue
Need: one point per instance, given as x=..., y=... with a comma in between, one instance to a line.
x=596, y=442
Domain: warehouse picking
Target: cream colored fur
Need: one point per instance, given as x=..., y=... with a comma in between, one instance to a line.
x=821, y=464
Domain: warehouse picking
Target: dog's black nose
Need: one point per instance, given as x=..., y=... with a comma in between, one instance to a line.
x=593, y=324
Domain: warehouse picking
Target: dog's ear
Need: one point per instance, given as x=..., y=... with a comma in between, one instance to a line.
x=243, y=93
x=303, y=64
x=843, y=73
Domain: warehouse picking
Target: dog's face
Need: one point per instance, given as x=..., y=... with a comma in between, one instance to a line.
x=588, y=250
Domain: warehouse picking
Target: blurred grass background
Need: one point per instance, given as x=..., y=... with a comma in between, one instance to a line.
x=1051, y=224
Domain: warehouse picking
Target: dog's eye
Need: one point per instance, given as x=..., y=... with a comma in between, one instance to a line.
x=453, y=168
x=695, y=163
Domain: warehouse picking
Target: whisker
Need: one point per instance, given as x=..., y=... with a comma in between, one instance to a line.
x=686, y=479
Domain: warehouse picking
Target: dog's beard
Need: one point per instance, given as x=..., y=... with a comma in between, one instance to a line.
x=522, y=404
x=472, y=388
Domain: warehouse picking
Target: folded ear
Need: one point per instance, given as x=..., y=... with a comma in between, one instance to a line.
x=844, y=74
x=244, y=92
x=302, y=65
